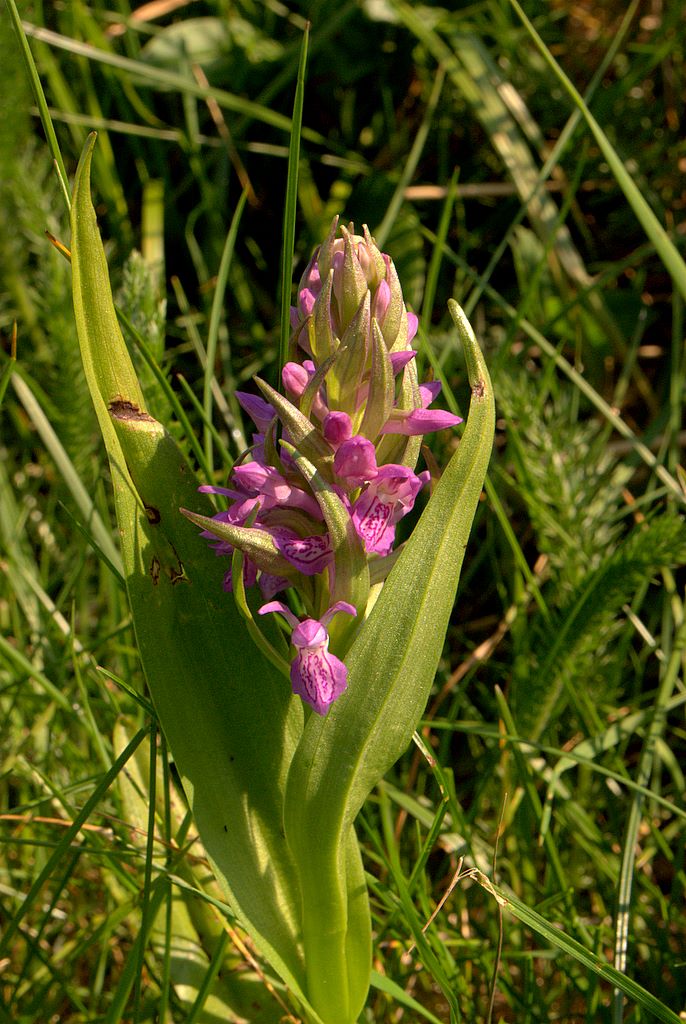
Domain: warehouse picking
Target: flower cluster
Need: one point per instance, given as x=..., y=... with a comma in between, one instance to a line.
x=317, y=510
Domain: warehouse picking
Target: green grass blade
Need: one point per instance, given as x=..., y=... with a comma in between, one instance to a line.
x=291, y=206
x=9, y=366
x=410, y=166
x=162, y=78
x=478, y=77
x=68, y=838
x=82, y=498
x=560, y=940
x=664, y=246
x=41, y=102
x=580, y=382
x=387, y=985
x=668, y=682
x=555, y=155
x=213, y=332
x=130, y=973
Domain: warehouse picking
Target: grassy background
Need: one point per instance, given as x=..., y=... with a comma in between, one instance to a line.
x=557, y=721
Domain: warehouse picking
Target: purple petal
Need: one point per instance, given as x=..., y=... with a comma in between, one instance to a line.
x=221, y=548
x=309, y=555
x=399, y=360
x=355, y=461
x=240, y=510
x=370, y=517
x=257, y=448
x=295, y=378
x=210, y=489
x=301, y=337
x=385, y=541
x=339, y=606
x=270, y=584
x=270, y=488
x=306, y=301
x=412, y=325
x=419, y=421
x=318, y=678
x=260, y=412
x=365, y=260
x=381, y=301
x=383, y=503
x=255, y=478
x=283, y=609
x=429, y=392
x=310, y=633
x=311, y=279
x=400, y=484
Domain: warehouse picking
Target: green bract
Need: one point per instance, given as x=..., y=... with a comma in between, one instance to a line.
x=274, y=796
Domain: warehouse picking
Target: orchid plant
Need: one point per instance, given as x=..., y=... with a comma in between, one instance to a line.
x=280, y=725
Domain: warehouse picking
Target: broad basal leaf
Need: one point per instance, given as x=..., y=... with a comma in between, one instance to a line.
x=229, y=718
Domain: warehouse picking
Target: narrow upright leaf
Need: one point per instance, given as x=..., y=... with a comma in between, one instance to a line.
x=391, y=664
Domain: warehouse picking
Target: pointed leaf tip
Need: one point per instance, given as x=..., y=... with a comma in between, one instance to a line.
x=107, y=363
x=479, y=379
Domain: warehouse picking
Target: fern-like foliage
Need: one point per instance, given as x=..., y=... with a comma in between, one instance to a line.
x=36, y=291
x=568, y=477
x=571, y=485
x=587, y=617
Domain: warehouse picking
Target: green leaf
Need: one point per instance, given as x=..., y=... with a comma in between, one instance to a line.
x=351, y=354
x=228, y=716
x=257, y=544
x=301, y=432
x=213, y=43
x=291, y=202
x=321, y=336
x=391, y=664
x=560, y=940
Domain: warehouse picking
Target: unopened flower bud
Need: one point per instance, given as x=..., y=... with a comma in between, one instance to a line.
x=355, y=461
x=337, y=428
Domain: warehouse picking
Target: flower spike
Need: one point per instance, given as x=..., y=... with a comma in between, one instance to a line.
x=314, y=503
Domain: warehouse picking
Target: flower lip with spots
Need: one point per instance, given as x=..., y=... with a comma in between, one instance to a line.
x=317, y=676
